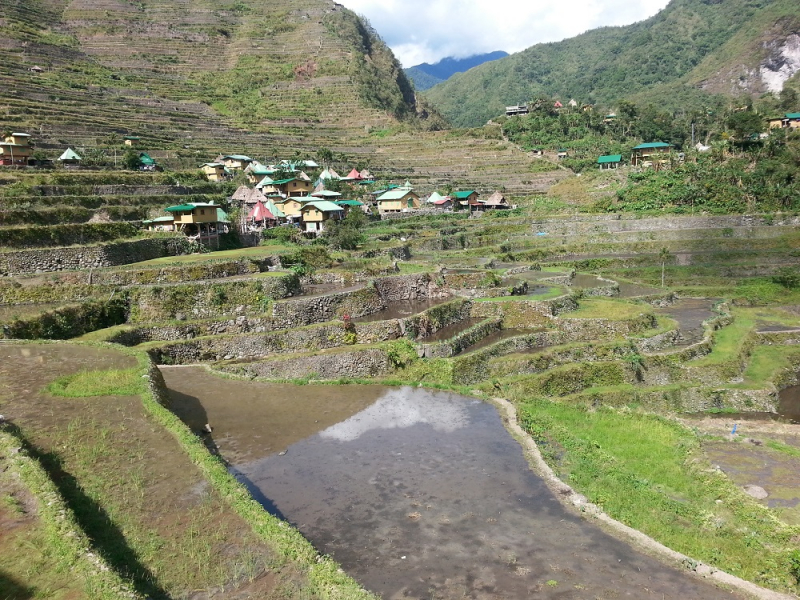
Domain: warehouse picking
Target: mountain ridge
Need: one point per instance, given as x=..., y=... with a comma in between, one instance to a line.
x=692, y=48
x=426, y=75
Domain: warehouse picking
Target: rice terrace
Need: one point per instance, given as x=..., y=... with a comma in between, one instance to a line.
x=272, y=327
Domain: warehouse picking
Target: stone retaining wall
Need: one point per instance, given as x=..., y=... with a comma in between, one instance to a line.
x=74, y=258
x=460, y=342
x=318, y=309
x=208, y=298
x=283, y=341
x=367, y=362
x=409, y=287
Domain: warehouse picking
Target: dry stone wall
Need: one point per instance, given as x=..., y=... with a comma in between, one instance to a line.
x=367, y=362
x=74, y=258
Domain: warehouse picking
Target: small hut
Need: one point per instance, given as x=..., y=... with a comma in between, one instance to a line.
x=70, y=158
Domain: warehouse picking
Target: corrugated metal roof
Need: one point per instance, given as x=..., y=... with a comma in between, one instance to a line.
x=323, y=205
x=463, y=195
x=396, y=194
x=650, y=145
x=788, y=116
x=610, y=158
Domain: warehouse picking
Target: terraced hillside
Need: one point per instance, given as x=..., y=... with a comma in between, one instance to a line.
x=282, y=80
x=590, y=326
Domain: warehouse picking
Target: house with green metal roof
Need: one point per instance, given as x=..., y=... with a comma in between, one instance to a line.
x=316, y=213
x=398, y=200
x=466, y=197
x=793, y=120
x=650, y=154
x=609, y=161
x=236, y=162
x=288, y=187
x=200, y=221
x=147, y=162
x=215, y=171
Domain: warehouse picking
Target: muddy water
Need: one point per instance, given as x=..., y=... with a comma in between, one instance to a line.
x=690, y=314
x=402, y=309
x=747, y=464
x=632, y=290
x=583, y=280
x=419, y=494
x=448, y=331
x=537, y=275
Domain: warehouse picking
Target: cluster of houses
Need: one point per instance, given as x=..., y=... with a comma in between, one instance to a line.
x=284, y=194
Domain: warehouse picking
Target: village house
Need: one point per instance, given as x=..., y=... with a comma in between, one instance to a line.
x=287, y=187
x=495, y=201
x=651, y=154
x=215, y=171
x=292, y=206
x=315, y=214
x=398, y=200
x=199, y=221
x=520, y=109
x=160, y=224
x=609, y=161
x=466, y=198
x=776, y=122
x=562, y=153
x=147, y=162
x=236, y=162
x=256, y=172
x=537, y=152
x=131, y=140
x=793, y=120
x=348, y=205
x=16, y=150
x=70, y=158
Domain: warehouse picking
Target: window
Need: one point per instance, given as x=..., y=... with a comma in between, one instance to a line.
x=202, y=211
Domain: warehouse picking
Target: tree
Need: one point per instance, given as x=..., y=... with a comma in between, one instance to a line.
x=347, y=234
x=131, y=160
x=744, y=124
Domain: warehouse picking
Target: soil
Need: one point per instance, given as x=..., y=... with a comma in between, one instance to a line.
x=748, y=460
x=420, y=494
x=690, y=313
x=137, y=495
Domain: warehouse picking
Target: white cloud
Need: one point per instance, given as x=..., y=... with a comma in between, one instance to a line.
x=429, y=30
x=401, y=408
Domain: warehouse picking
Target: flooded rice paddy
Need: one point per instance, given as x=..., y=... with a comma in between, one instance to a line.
x=690, y=313
x=418, y=494
x=400, y=309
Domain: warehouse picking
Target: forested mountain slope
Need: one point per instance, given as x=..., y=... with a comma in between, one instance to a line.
x=690, y=48
x=426, y=75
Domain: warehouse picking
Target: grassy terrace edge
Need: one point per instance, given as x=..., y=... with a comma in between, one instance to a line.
x=64, y=535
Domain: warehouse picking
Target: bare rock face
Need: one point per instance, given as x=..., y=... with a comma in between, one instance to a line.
x=781, y=64
x=756, y=491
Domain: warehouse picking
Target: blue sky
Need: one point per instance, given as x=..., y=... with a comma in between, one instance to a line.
x=428, y=30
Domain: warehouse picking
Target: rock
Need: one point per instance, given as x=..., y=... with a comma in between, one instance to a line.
x=756, y=491
x=755, y=442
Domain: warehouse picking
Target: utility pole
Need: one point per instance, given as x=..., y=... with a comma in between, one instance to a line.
x=692, y=133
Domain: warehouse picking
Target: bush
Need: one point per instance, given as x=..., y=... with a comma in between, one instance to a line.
x=788, y=277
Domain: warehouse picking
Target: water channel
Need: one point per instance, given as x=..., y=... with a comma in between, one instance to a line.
x=417, y=493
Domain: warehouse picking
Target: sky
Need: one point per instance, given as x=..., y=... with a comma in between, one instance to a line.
x=428, y=30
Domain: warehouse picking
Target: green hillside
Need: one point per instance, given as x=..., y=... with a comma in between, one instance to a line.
x=690, y=48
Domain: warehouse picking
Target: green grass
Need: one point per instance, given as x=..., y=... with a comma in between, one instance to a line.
x=728, y=342
x=765, y=362
x=649, y=473
x=86, y=384
x=253, y=252
x=604, y=308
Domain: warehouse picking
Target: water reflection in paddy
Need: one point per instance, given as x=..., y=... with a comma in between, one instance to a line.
x=417, y=494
